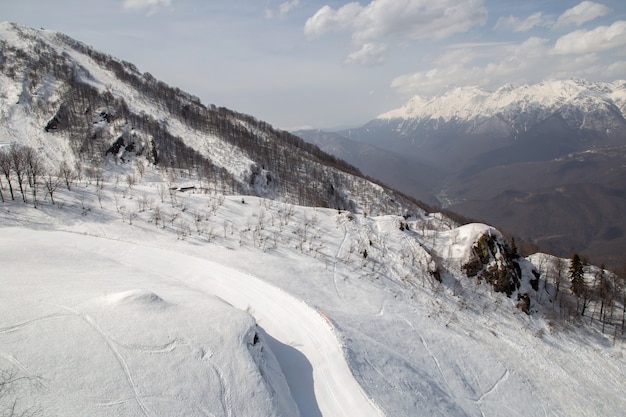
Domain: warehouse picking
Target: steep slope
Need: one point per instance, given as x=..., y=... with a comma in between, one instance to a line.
x=55, y=88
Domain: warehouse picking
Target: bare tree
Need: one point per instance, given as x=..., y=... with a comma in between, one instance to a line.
x=559, y=266
x=79, y=170
x=161, y=190
x=130, y=181
x=66, y=172
x=52, y=183
x=156, y=216
x=19, y=167
x=10, y=386
x=6, y=167
x=34, y=170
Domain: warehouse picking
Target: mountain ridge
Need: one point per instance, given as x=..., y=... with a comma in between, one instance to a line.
x=541, y=99
x=106, y=108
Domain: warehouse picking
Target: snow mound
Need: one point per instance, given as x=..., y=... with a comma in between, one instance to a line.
x=137, y=297
x=460, y=241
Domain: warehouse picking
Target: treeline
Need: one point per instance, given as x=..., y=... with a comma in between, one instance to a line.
x=243, y=130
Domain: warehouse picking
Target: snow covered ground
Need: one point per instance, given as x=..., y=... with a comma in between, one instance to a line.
x=126, y=298
x=147, y=324
x=235, y=306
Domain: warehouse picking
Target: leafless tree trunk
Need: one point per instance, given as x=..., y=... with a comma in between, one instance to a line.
x=9, y=391
x=34, y=170
x=6, y=167
x=51, y=183
x=66, y=172
x=19, y=167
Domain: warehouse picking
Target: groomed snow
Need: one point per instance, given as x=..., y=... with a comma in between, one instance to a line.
x=96, y=344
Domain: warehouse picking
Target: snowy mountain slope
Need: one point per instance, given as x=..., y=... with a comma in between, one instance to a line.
x=427, y=317
x=416, y=346
x=79, y=105
x=470, y=127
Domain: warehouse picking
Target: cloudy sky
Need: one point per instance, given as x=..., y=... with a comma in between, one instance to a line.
x=335, y=63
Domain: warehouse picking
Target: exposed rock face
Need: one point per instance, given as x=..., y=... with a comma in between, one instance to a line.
x=523, y=302
x=491, y=260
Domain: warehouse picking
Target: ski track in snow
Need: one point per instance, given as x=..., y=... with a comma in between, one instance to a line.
x=224, y=390
x=343, y=241
x=13, y=360
x=288, y=319
x=495, y=386
x=25, y=324
x=432, y=355
x=118, y=356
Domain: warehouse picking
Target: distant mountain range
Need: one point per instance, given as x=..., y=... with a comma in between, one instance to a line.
x=470, y=150
x=582, y=104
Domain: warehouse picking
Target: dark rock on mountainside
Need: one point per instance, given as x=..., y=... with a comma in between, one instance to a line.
x=492, y=262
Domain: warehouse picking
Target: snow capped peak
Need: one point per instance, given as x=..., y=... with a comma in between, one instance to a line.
x=6, y=25
x=546, y=97
x=414, y=106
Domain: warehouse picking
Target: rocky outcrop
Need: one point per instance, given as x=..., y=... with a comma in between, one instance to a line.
x=492, y=261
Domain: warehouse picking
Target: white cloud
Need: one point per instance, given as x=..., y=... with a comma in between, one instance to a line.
x=587, y=41
x=326, y=19
x=283, y=9
x=616, y=70
x=380, y=20
x=151, y=6
x=508, y=61
x=370, y=54
x=517, y=25
x=582, y=13
x=405, y=19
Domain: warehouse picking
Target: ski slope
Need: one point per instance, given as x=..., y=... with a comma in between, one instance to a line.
x=309, y=352
x=104, y=317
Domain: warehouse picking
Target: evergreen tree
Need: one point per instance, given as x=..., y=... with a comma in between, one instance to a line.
x=576, y=274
